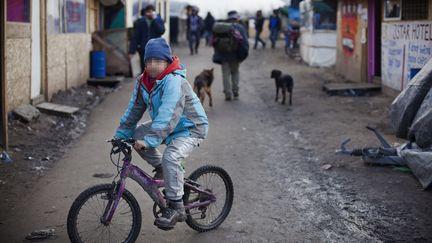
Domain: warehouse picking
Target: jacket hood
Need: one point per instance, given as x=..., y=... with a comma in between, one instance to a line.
x=174, y=67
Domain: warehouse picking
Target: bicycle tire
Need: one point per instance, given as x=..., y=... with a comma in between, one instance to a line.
x=87, y=194
x=228, y=202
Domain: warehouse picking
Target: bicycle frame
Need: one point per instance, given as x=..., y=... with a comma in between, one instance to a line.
x=149, y=185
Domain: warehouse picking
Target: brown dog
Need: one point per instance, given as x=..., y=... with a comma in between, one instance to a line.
x=202, y=85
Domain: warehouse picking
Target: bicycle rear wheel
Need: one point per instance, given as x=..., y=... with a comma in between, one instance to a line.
x=84, y=218
x=217, y=181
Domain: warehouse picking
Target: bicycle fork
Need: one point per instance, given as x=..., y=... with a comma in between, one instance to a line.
x=113, y=201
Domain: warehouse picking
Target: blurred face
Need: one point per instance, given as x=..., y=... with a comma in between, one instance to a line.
x=149, y=14
x=154, y=67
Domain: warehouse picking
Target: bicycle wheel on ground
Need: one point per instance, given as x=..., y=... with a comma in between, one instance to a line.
x=217, y=181
x=84, y=218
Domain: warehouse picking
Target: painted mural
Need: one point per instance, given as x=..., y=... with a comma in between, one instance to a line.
x=406, y=47
x=349, y=26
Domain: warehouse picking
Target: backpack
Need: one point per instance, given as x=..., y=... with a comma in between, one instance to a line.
x=226, y=37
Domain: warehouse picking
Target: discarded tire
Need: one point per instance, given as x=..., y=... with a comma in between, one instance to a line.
x=404, y=108
x=421, y=128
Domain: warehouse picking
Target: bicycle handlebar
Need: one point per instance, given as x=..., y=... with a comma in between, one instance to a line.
x=117, y=141
x=120, y=145
x=343, y=149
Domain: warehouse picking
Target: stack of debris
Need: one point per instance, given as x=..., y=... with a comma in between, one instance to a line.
x=411, y=111
x=411, y=118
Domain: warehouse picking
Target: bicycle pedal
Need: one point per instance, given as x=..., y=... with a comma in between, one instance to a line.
x=166, y=228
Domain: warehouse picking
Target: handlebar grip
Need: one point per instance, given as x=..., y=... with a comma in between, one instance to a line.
x=116, y=151
x=357, y=152
x=130, y=141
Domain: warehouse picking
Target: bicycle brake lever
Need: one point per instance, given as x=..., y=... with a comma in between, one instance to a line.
x=343, y=150
x=116, y=151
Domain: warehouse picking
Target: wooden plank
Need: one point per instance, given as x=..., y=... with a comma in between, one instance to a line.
x=37, y=100
x=57, y=109
x=3, y=108
x=351, y=86
x=110, y=81
x=44, y=50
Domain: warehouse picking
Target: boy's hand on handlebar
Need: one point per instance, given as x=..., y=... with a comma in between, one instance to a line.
x=139, y=145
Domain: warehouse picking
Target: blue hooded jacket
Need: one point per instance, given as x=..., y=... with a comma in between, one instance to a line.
x=174, y=108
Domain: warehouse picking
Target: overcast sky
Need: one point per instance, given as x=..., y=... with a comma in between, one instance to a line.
x=219, y=8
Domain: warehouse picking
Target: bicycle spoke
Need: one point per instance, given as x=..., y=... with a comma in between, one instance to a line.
x=214, y=183
x=92, y=208
x=120, y=230
x=89, y=227
x=90, y=212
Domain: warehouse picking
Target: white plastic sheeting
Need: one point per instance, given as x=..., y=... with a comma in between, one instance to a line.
x=318, y=48
x=420, y=162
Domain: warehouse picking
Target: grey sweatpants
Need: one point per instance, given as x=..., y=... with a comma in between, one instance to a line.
x=171, y=160
x=230, y=76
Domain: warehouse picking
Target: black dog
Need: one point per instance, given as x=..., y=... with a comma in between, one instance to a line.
x=284, y=82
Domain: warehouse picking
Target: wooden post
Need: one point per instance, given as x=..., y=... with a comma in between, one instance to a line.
x=44, y=50
x=3, y=109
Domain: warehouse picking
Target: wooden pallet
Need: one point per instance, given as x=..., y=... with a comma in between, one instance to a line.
x=56, y=109
x=110, y=81
x=340, y=87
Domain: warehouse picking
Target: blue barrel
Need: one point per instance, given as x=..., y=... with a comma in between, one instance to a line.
x=97, y=64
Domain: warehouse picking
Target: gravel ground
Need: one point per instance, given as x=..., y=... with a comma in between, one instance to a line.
x=275, y=155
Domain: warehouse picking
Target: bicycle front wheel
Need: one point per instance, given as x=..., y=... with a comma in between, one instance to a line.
x=84, y=218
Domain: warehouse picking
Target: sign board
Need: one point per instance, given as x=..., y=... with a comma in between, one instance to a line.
x=406, y=47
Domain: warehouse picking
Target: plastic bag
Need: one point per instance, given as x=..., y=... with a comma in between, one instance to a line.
x=404, y=108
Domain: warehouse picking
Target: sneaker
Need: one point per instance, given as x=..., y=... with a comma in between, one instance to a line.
x=228, y=98
x=158, y=173
x=171, y=215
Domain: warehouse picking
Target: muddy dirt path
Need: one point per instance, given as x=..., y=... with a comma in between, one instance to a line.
x=274, y=155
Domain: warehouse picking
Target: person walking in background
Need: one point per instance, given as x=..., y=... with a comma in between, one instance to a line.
x=149, y=26
x=194, y=28
x=275, y=27
x=259, y=23
x=231, y=47
x=292, y=33
x=208, y=27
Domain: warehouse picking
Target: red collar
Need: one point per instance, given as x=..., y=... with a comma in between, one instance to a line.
x=149, y=84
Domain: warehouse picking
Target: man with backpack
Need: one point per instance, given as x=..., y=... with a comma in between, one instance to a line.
x=231, y=47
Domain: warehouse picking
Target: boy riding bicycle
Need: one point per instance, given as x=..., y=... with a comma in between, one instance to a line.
x=177, y=120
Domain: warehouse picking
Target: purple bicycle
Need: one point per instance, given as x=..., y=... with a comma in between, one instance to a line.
x=110, y=213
